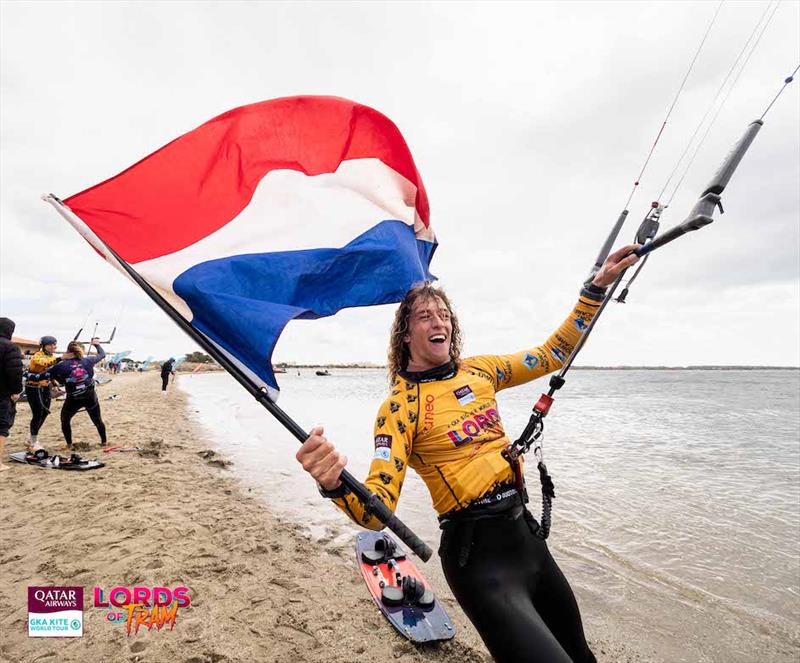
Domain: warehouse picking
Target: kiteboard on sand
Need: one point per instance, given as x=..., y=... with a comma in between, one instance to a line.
x=400, y=591
x=40, y=458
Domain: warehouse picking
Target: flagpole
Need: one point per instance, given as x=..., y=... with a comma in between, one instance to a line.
x=370, y=501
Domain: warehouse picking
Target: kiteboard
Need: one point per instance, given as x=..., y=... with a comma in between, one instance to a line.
x=400, y=591
x=41, y=459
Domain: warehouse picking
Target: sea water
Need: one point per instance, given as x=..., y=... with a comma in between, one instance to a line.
x=677, y=490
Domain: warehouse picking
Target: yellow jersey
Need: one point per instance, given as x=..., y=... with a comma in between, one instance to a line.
x=446, y=425
x=40, y=362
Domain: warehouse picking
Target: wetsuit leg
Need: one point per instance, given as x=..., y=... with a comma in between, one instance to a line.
x=93, y=408
x=46, y=401
x=71, y=407
x=164, y=382
x=32, y=394
x=513, y=592
x=556, y=604
x=39, y=400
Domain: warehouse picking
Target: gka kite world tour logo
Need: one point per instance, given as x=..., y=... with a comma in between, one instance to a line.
x=146, y=607
x=55, y=612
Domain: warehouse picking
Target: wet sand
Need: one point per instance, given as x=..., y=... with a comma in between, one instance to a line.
x=174, y=514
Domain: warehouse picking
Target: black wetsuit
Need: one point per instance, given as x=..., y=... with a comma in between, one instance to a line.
x=38, y=391
x=166, y=369
x=73, y=405
x=508, y=584
x=39, y=399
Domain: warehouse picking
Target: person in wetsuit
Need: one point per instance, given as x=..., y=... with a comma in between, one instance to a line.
x=442, y=419
x=76, y=372
x=38, y=391
x=167, y=369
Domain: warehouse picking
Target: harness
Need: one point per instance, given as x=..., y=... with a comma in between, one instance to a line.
x=504, y=502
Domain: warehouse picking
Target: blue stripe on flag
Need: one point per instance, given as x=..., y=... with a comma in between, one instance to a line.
x=243, y=302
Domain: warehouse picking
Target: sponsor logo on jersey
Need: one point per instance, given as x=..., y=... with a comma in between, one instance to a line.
x=427, y=418
x=473, y=427
x=580, y=324
x=383, y=447
x=558, y=354
x=464, y=395
x=531, y=361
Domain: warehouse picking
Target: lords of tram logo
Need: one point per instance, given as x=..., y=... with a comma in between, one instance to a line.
x=142, y=607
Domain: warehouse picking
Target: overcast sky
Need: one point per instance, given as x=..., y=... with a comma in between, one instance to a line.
x=527, y=121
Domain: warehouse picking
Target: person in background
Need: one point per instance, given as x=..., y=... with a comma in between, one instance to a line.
x=76, y=372
x=167, y=368
x=38, y=391
x=10, y=384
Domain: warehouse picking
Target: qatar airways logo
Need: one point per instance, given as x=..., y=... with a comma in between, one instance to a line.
x=55, y=612
x=143, y=607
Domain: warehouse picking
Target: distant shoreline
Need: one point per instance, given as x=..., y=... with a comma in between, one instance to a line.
x=579, y=368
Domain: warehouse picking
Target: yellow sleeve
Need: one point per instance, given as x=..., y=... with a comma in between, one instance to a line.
x=393, y=438
x=521, y=367
x=41, y=361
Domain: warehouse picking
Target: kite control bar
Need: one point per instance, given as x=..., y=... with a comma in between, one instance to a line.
x=703, y=211
x=700, y=216
x=94, y=335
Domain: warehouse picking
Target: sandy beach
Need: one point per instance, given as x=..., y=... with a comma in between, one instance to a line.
x=171, y=515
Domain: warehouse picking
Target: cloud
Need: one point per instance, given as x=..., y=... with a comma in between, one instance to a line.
x=529, y=122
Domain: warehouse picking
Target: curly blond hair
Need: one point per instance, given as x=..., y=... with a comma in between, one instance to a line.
x=399, y=353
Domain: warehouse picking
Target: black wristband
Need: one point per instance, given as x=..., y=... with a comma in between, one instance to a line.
x=592, y=291
x=595, y=289
x=336, y=493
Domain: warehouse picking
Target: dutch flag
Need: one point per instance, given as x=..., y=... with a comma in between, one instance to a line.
x=290, y=208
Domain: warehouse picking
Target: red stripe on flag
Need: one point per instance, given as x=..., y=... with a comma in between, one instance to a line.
x=196, y=184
